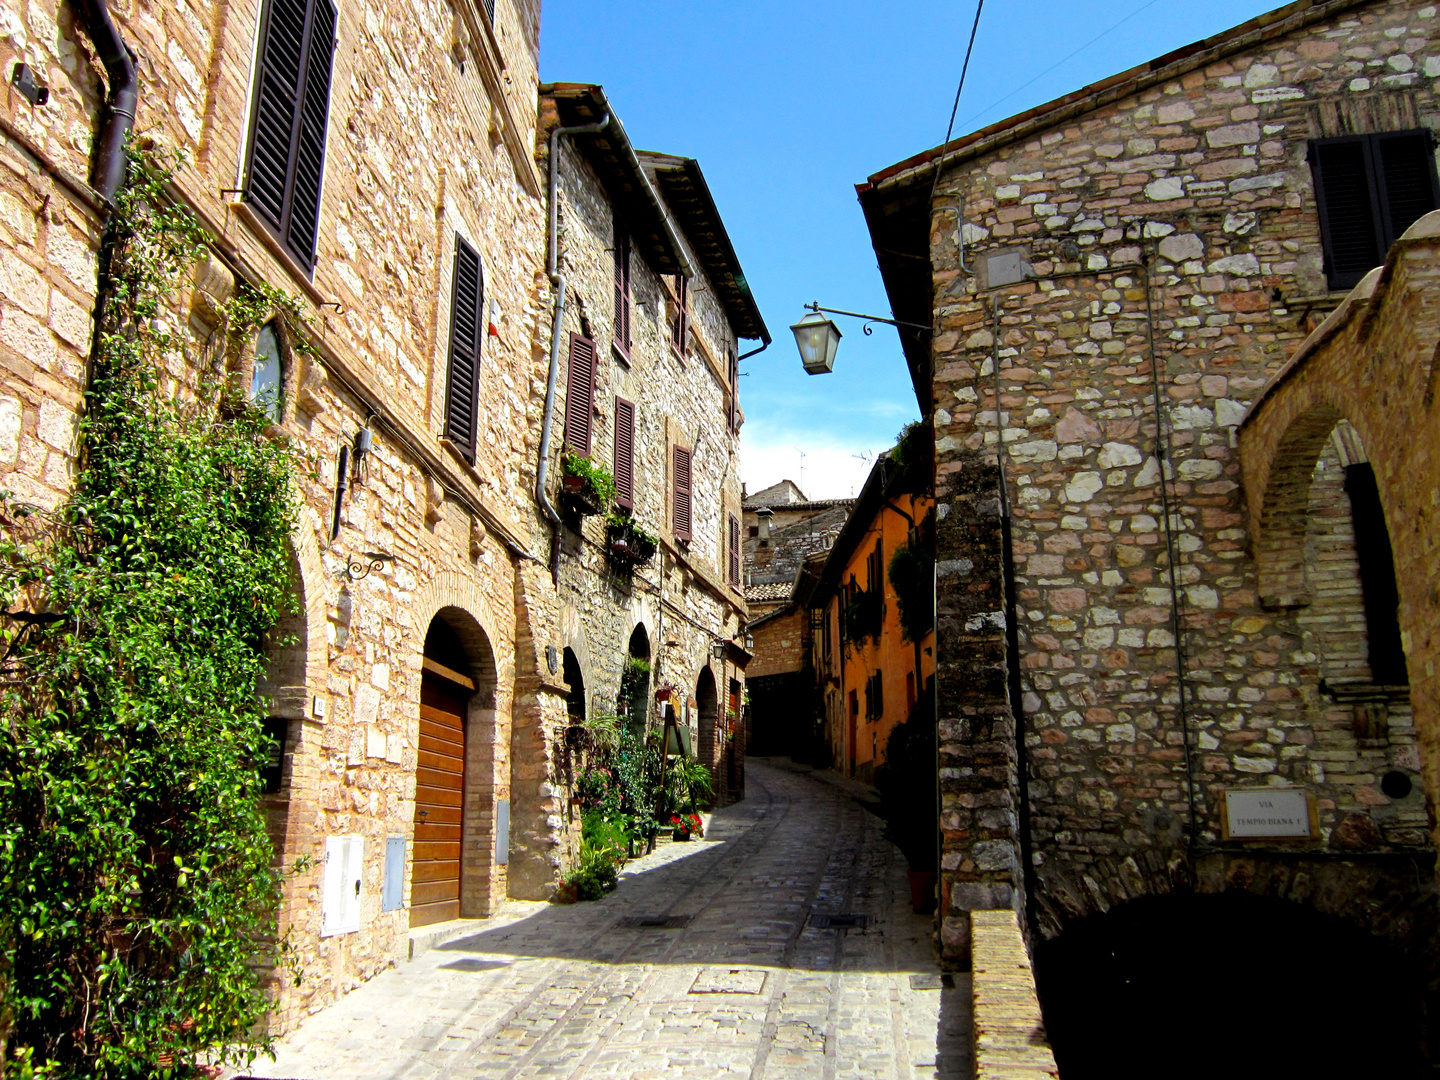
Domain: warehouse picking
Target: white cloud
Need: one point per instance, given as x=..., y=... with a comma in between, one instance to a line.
x=831, y=469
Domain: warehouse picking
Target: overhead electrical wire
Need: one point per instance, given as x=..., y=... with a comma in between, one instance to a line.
x=1059, y=63
x=964, y=68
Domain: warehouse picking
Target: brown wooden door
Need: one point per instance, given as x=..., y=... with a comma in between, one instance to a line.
x=439, y=794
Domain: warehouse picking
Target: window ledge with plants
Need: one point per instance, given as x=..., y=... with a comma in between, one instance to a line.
x=586, y=487
x=628, y=542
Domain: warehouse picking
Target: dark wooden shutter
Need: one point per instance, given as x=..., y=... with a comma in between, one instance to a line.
x=489, y=6
x=1348, y=215
x=622, y=290
x=682, y=519
x=462, y=395
x=287, y=147
x=580, y=395
x=734, y=550
x=681, y=325
x=1406, y=164
x=624, y=454
x=732, y=418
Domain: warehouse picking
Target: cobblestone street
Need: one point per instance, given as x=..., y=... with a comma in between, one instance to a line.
x=739, y=978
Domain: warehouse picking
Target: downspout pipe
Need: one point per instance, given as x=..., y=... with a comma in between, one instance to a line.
x=557, y=282
x=124, y=96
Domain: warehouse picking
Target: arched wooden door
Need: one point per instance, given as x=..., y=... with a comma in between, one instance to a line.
x=439, y=800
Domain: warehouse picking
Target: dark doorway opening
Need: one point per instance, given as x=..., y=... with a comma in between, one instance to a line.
x=575, y=699
x=1228, y=985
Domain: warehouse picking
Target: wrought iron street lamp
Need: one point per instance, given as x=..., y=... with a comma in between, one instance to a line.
x=818, y=337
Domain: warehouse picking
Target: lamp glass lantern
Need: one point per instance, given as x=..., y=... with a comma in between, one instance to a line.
x=817, y=338
x=717, y=648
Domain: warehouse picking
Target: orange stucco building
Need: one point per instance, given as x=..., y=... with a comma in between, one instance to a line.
x=869, y=672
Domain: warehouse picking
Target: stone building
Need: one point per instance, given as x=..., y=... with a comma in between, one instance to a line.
x=423, y=706
x=786, y=540
x=657, y=305
x=867, y=672
x=1124, y=667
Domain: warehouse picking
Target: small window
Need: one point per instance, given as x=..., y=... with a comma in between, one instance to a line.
x=754, y=530
x=467, y=331
x=1369, y=190
x=267, y=380
x=621, y=328
x=680, y=325
x=681, y=505
x=272, y=766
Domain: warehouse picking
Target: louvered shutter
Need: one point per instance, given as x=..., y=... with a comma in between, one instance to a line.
x=682, y=521
x=1406, y=165
x=622, y=291
x=310, y=143
x=462, y=395
x=1349, y=225
x=624, y=454
x=732, y=418
x=734, y=550
x=580, y=395
x=681, y=324
x=287, y=147
x=489, y=6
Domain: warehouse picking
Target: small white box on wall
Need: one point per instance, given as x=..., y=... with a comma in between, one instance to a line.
x=344, y=872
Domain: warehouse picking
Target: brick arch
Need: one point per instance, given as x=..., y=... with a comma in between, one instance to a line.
x=454, y=597
x=1392, y=898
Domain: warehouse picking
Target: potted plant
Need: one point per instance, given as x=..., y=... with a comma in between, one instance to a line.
x=629, y=543
x=684, y=826
x=586, y=486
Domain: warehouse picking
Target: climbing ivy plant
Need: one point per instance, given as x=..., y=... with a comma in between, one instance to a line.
x=137, y=895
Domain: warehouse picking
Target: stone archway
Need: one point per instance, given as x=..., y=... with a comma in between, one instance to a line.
x=635, y=678
x=575, y=705
x=456, y=853
x=707, y=698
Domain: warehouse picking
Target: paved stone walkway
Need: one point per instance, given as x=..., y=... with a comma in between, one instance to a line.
x=749, y=986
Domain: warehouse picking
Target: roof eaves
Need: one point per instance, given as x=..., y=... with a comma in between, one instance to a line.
x=665, y=242
x=705, y=229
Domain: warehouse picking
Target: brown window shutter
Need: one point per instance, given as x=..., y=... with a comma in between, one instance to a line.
x=732, y=417
x=292, y=106
x=681, y=326
x=734, y=550
x=624, y=454
x=462, y=393
x=682, y=520
x=580, y=395
x=622, y=290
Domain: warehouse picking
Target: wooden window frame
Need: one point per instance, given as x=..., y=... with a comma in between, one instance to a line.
x=311, y=118
x=465, y=441
x=680, y=325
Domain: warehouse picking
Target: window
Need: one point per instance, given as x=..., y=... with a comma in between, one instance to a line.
x=680, y=325
x=624, y=454
x=875, y=696
x=272, y=769
x=580, y=395
x=734, y=550
x=1370, y=189
x=681, y=515
x=267, y=378
x=467, y=330
x=489, y=6
x=732, y=416
x=292, y=106
x=754, y=530
x=622, y=292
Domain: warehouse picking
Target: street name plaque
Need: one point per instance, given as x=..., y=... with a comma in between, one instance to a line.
x=1268, y=814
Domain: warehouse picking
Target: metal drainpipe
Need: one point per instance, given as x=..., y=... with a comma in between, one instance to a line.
x=124, y=95
x=557, y=281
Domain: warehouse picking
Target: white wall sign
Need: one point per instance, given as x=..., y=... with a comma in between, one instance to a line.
x=1268, y=814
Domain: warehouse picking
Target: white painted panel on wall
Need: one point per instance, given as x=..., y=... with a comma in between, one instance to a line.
x=344, y=870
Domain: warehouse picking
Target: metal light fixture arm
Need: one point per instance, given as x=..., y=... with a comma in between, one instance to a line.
x=869, y=319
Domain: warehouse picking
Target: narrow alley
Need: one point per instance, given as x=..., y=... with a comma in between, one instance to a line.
x=733, y=972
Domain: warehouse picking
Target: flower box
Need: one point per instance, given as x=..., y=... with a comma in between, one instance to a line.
x=629, y=543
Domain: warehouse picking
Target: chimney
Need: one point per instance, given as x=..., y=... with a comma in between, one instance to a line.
x=764, y=514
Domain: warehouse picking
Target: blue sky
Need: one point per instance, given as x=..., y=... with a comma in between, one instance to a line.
x=788, y=104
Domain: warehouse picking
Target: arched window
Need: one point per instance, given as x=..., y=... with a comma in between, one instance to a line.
x=267, y=382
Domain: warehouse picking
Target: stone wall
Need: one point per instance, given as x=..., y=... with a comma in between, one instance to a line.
x=1170, y=222
x=681, y=599
x=414, y=155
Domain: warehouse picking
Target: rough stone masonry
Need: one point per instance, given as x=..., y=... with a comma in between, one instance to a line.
x=1169, y=219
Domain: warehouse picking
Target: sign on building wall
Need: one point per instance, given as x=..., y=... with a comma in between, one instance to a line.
x=1269, y=814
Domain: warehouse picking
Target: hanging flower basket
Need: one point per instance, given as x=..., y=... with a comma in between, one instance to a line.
x=629, y=543
x=586, y=486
